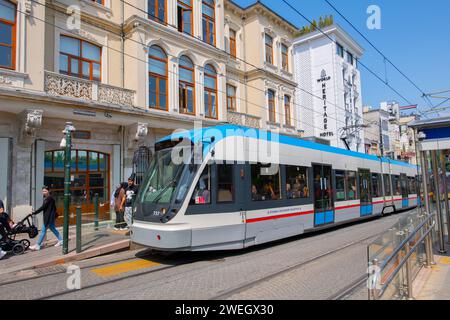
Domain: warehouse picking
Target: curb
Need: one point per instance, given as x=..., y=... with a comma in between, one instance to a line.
x=91, y=253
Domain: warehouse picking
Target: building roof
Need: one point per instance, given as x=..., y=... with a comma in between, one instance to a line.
x=333, y=29
x=437, y=122
x=259, y=3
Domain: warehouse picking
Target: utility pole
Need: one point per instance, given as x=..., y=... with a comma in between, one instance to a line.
x=67, y=144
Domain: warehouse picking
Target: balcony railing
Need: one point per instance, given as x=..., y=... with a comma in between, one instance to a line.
x=244, y=119
x=66, y=86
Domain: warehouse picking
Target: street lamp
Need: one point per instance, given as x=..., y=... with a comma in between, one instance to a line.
x=66, y=143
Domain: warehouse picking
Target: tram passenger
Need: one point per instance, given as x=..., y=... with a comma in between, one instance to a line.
x=289, y=193
x=268, y=192
x=255, y=195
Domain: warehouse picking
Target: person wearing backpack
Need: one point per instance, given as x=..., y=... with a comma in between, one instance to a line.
x=50, y=214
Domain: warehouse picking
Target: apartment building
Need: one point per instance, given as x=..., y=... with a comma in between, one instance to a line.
x=125, y=73
x=260, y=79
x=329, y=86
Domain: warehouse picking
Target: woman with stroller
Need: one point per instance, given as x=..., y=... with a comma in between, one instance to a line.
x=49, y=210
x=5, y=226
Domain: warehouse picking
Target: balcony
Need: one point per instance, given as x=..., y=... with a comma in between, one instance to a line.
x=242, y=119
x=71, y=87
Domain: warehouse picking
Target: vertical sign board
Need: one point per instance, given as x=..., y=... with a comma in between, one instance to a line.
x=322, y=82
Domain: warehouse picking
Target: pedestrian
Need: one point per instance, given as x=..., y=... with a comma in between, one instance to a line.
x=130, y=194
x=5, y=226
x=49, y=210
x=119, y=197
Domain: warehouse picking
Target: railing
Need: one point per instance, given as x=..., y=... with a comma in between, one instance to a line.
x=243, y=119
x=397, y=256
x=61, y=85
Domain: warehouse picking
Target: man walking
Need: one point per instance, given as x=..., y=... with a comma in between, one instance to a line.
x=130, y=195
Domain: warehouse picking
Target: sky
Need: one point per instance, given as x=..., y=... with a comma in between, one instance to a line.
x=414, y=35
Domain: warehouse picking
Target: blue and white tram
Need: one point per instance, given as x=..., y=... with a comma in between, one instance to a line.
x=225, y=198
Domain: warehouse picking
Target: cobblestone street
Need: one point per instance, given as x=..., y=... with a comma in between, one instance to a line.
x=325, y=265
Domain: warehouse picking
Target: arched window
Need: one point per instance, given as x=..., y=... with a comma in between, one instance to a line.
x=157, y=10
x=157, y=78
x=209, y=22
x=210, y=92
x=79, y=58
x=7, y=34
x=187, y=86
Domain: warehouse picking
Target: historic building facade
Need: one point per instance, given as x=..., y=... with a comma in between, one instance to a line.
x=125, y=73
x=260, y=79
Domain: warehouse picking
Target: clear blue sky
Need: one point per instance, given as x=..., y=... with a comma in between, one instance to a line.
x=415, y=36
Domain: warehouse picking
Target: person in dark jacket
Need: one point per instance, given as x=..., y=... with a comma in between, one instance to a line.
x=49, y=210
x=5, y=226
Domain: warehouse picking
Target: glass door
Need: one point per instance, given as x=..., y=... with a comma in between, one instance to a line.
x=323, y=195
x=365, y=191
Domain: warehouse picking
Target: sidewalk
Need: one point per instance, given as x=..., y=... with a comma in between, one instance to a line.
x=436, y=280
x=94, y=243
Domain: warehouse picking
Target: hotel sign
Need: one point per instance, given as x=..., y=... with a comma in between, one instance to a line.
x=323, y=81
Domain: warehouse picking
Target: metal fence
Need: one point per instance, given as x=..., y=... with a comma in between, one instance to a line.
x=397, y=256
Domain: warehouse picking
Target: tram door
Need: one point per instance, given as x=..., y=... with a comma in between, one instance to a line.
x=323, y=195
x=365, y=191
x=404, y=188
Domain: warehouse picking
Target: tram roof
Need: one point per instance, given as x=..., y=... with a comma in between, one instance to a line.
x=228, y=130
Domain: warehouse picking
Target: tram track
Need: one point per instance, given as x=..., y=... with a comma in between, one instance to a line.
x=253, y=283
x=177, y=261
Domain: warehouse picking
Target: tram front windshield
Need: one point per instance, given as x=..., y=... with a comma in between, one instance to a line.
x=168, y=179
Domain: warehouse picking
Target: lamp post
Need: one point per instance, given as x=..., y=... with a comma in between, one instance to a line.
x=66, y=143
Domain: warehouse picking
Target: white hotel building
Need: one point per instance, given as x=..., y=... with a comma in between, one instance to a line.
x=328, y=91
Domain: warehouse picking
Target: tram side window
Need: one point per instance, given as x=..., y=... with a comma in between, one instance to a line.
x=387, y=185
x=296, y=182
x=396, y=185
x=351, y=185
x=376, y=183
x=202, y=192
x=266, y=183
x=412, y=189
x=340, y=186
x=225, y=189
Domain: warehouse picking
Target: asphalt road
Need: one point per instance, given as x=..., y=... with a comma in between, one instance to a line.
x=326, y=265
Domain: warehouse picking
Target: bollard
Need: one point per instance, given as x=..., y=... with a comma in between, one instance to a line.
x=96, y=211
x=78, y=228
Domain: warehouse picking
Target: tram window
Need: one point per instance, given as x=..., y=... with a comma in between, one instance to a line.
x=376, y=183
x=266, y=185
x=387, y=185
x=412, y=185
x=296, y=182
x=202, y=193
x=396, y=185
x=225, y=184
x=351, y=185
x=340, y=185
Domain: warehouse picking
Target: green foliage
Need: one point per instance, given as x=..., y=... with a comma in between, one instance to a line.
x=314, y=26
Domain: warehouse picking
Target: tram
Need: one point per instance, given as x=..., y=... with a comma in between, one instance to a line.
x=231, y=187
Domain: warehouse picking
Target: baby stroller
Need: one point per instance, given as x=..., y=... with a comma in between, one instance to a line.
x=17, y=247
